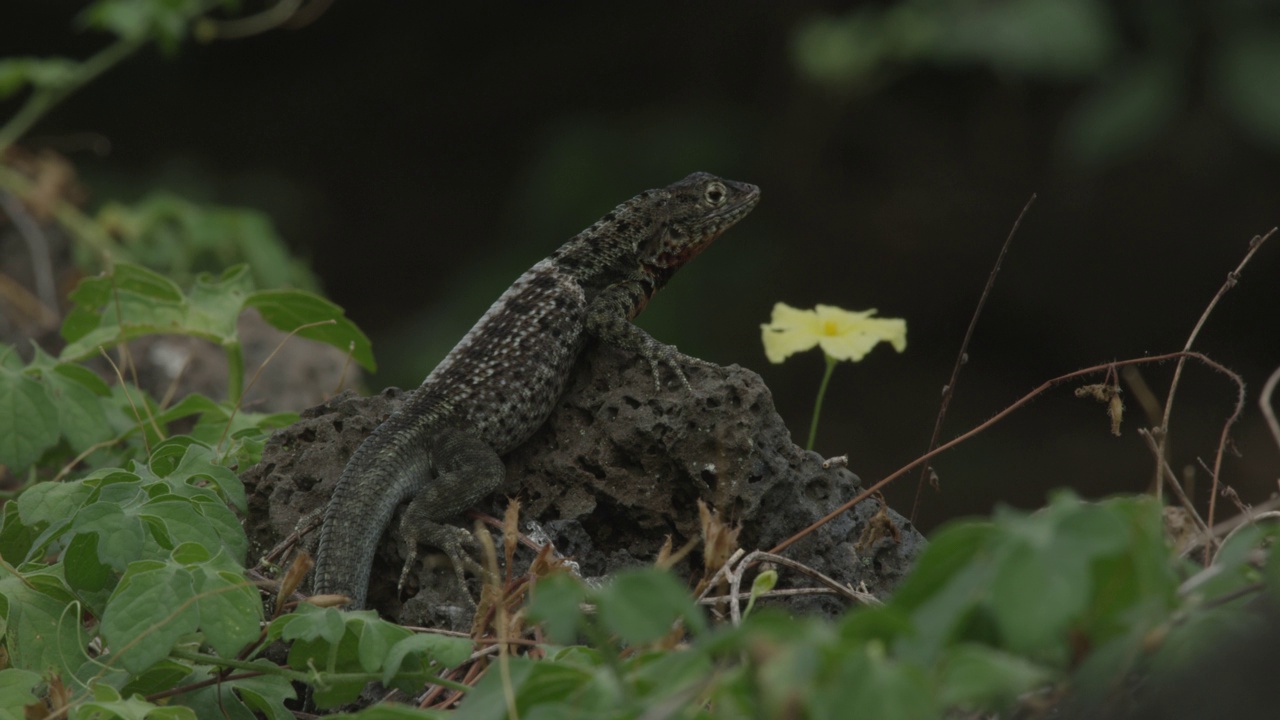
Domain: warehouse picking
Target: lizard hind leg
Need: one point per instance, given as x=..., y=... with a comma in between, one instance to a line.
x=466, y=470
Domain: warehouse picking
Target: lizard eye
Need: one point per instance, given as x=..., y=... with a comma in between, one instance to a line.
x=715, y=194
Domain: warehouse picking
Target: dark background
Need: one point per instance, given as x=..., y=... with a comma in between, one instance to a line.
x=422, y=155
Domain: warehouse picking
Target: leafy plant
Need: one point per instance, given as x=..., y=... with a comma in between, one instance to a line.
x=132, y=582
x=56, y=404
x=1078, y=599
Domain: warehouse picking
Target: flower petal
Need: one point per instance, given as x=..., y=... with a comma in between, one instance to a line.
x=854, y=344
x=780, y=343
x=786, y=317
x=843, y=334
x=845, y=320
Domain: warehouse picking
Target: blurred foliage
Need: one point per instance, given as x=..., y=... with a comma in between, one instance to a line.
x=1136, y=62
x=163, y=232
x=166, y=22
x=182, y=239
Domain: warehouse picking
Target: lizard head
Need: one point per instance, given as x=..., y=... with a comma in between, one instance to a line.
x=698, y=209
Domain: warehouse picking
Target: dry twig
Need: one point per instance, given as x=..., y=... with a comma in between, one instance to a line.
x=963, y=355
x=1109, y=367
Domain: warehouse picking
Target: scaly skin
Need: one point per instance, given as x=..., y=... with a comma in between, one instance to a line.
x=443, y=447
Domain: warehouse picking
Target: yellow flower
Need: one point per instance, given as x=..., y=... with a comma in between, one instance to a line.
x=843, y=335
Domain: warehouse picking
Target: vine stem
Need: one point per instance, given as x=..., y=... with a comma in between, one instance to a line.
x=42, y=100
x=235, y=370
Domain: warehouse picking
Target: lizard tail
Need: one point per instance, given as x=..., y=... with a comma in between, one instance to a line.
x=390, y=465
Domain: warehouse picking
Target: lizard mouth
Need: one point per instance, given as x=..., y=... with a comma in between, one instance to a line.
x=713, y=225
x=726, y=216
x=750, y=196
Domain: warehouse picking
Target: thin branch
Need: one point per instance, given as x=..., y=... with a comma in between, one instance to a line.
x=258, y=373
x=737, y=573
x=963, y=356
x=1109, y=367
x=1232, y=278
x=1262, y=509
x=789, y=592
x=1172, y=479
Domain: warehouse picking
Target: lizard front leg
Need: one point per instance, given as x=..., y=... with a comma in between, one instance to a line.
x=466, y=470
x=609, y=319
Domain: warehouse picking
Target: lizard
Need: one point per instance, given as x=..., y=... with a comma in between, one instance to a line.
x=442, y=448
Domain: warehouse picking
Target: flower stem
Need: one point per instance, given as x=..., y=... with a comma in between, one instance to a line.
x=817, y=405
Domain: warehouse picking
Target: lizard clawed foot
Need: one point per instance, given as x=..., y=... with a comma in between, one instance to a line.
x=657, y=354
x=458, y=545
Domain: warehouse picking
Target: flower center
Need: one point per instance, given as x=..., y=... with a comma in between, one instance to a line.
x=830, y=328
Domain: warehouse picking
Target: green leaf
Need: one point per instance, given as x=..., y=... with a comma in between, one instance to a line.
x=210, y=525
x=642, y=605
x=312, y=623
x=164, y=675
x=85, y=571
x=1239, y=562
x=950, y=553
x=72, y=404
x=121, y=537
x=289, y=310
x=129, y=302
x=557, y=604
x=153, y=606
x=15, y=692
x=50, y=502
x=163, y=21
x=545, y=685
x=1202, y=634
x=884, y=623
x=107, y=703
x=448, y=651
x=215, y=303
x=41, y=620
x=1271, y=575
x=230, y=608
x=266, y=693
x=28, y=421
x=78, y=396
x=200, y=463
x=340, y=657
x=132, y=301
x=16, y=537
x=867, y=684
x=974, y=676
x=947, y=593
